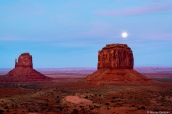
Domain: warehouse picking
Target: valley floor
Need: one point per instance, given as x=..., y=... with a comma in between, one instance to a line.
x=75, y=96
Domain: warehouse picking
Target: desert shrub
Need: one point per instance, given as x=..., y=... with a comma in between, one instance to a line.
x=13, y=106
x=91, y=108
x=107, y=104
x=29, y=110
x=112, y=101
x=43, y=108
x=49, y=109
x=75, y=111
x=58, y=101
x=119, y=100
x=113, y=97
x=6, y=107
x=86, y=97
x=142, y=107
x=66, y=106
x=60, y=108
x=1, y=111
x=97, y=106
x=162, y=105
x=163, y=98
x=133, y=105
x=36, y=110
x=156, y=110
x=83, y=111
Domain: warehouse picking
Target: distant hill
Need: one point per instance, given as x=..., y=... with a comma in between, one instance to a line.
x=153, y=69
x=91, y=70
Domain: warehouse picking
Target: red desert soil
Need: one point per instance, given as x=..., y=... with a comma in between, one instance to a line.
x=77, y=100
x=79, y=97
x=5, y=92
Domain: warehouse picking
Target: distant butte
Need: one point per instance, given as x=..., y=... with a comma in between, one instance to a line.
x=115, y=65
x=24, y=72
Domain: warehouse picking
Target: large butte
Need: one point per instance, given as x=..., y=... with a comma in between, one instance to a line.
x=24, y=72
x=115, y=65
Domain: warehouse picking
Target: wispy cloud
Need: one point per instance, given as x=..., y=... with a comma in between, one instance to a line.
x=134, y=11
x=162, y=36
x=101, y=30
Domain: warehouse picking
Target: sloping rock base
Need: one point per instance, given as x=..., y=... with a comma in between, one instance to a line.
x=108, y=76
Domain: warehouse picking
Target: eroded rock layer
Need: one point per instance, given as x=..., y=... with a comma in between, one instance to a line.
x=115, y=56
x=24, y=72
x=24, y=60
x=115, y=65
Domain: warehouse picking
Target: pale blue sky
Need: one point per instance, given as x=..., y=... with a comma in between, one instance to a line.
x=69, y=33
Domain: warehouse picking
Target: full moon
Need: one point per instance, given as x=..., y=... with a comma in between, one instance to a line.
x=124, y=34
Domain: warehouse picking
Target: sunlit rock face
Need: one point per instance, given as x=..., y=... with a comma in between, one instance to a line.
x=115, y=56
x=115, y=65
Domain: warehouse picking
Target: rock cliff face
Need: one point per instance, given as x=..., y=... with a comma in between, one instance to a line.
x=115, y=56
x=115, y=65
x=24, y=60
x=24, y=72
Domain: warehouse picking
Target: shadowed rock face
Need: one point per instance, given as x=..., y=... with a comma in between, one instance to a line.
x=24, y=60
x=115, y=65
x=115, y=56
x=24, y=72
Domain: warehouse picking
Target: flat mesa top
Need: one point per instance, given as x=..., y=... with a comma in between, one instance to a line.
x=109, y=46
x=26, y=53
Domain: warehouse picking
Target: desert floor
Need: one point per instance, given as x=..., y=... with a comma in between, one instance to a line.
x=66, y=95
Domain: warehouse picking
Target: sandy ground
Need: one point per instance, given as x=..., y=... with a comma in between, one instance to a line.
x=75, y=96
x=77, y=100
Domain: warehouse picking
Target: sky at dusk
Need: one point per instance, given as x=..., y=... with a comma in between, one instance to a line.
x=69, y=33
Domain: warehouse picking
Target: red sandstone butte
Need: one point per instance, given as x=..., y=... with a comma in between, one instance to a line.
x=24, y=60
x=24, y=72
x=115, y=65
